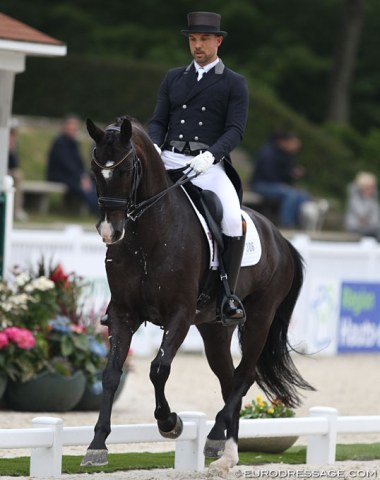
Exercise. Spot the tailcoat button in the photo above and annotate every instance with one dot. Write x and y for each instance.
(200, 123)
(184, 106)
(182, 121)
(196, 138)
(180, 135)
(203, 109)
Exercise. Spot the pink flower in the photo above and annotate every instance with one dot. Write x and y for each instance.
(3, 340)
(12, 333)
(77, 328)
(21, 337)
(25, 339)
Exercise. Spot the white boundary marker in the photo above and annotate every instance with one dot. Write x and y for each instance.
(48, 437)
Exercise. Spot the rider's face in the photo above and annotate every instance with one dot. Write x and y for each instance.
(204, 47)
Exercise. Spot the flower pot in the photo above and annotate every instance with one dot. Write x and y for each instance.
(46, 392)
(266, 444)
(92, 395)
(3, 384)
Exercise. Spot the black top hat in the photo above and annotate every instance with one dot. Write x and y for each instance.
(203, 22)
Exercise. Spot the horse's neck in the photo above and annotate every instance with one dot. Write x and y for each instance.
(155, 178)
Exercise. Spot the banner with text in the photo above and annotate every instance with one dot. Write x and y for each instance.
(359, 319)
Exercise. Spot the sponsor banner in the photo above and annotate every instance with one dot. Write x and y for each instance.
(323, 313)
(359, 319)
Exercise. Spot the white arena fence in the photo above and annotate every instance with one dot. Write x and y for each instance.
(318, 321)
(48, 436)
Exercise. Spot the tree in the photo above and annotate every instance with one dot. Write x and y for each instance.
(344, 62)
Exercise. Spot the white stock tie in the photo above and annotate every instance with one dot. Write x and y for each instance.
(201, 72)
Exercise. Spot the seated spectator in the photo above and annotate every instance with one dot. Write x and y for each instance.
(363, 210)
(65, 164)
(15, 172)
(274, 175)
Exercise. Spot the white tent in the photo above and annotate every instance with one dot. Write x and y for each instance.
(17, 40)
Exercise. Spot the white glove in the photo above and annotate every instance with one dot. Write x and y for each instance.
(202, 162)
(159, 151)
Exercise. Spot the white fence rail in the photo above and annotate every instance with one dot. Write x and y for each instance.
(48, 437)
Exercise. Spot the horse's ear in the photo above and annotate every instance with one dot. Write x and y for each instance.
(125, 131)
(95, 132)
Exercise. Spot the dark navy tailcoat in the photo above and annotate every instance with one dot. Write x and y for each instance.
(212, 111)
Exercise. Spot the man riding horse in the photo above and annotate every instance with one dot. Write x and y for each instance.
(199, 118)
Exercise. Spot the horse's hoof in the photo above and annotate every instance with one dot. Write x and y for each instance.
(174, 432)
(214, 448)
(95, 458)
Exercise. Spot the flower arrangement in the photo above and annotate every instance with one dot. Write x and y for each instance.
(43, 327)
(260, 408)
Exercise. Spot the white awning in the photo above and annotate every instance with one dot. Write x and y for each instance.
(31, 48)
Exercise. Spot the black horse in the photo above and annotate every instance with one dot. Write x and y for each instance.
(157, 258)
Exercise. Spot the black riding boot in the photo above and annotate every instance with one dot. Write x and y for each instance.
(232, 310)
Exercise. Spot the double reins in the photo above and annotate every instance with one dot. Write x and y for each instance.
(137, 210)
(134, 210)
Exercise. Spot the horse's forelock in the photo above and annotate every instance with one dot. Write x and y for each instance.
(110, 137)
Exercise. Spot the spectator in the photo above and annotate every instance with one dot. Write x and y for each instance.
(274, 175)
(363, 210)
(15, 172)
(65, 164)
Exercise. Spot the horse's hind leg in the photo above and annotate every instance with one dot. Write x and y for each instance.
(227, 420)
(217, 342)
(169, 423)
(120, 334)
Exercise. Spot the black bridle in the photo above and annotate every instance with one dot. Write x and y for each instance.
(112, 203)
(134, 210)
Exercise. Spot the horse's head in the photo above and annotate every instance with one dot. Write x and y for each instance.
(117, 172)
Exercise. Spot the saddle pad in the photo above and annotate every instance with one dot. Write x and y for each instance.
(252, 248)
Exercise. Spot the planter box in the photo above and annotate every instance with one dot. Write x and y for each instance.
(266, 444)
(46, 392)
(3, 384)
(92, 395)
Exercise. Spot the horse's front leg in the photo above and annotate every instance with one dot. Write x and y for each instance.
(169, 423)
(121, 330)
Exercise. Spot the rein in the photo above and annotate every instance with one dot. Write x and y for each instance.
(134, 210)
(140, 208)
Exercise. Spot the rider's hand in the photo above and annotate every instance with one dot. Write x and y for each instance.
(202, 162)
(157, 148)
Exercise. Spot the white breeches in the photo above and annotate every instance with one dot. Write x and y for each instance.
(216, 180)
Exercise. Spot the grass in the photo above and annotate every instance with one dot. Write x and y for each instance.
(33, 143)
(144, 461)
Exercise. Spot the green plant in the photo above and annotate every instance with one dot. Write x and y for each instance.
(260, 408)
(43, 327)
(74, 347)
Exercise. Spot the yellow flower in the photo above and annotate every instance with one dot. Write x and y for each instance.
(270, 411)
(259, 399)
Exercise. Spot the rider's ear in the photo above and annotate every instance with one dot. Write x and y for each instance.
(125, 131)
(95, 132)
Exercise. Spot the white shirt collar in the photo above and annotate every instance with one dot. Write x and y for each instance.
(207, 67)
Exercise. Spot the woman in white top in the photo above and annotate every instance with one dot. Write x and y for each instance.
(363, 210)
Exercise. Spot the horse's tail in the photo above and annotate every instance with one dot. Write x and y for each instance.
(276, 373)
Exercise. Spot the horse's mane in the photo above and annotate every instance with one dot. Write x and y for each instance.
(119, 120)
(138, 131)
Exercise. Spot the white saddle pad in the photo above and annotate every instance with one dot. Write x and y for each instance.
(252, 248)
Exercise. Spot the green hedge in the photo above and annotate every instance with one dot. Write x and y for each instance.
(89, 87)
(103, 89)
